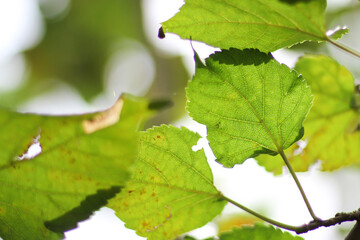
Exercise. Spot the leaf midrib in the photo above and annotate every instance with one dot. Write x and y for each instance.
(323, 38)
(295, 28)
(278, 149)
(181, 161)
(173, 187)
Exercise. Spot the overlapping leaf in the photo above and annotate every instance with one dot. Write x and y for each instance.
(250, 104)
(332, 127)
(171, 190)
(333, 123)
(263, 24)
(81, 156)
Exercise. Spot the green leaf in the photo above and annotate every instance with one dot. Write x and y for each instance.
(267, 25)
(81, 156)
(171, 189)
(258, 232)
(192, 238)
(338, 33)
(250, 104)
(332, 126)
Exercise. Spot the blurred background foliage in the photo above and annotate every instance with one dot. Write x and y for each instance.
(92, 46)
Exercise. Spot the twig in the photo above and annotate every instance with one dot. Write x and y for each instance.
(338, 219)
(258, 215)
(307, 203)
(344, 48)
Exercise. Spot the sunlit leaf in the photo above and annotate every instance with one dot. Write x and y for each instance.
(250, 104)
(80, 156)
(332, 126)
(171, 189)
(264, 24)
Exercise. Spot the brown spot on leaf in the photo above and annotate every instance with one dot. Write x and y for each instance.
(153, 194)
(104, 119)
(145, 224)
(158, 136)
(78, 177)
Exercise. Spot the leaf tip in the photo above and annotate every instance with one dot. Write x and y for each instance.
(198, 62)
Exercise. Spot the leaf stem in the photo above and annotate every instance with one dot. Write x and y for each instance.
(343, 47)
(292, 172)
(262, 217)
(312, 225)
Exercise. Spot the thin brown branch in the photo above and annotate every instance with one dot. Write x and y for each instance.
(338, 219)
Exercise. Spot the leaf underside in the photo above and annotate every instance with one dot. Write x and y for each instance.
(171, 189)
(72, 165)
(267, 25)
(250, 104)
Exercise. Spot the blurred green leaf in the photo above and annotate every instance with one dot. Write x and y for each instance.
(332, 126)
(250, 103)
(80, 156)
(266, 25)
(275, 164)
(170, 82)
(171, 188)
(258, 232)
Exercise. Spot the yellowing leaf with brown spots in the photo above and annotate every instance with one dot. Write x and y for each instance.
(73, 175)
(171, 190)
